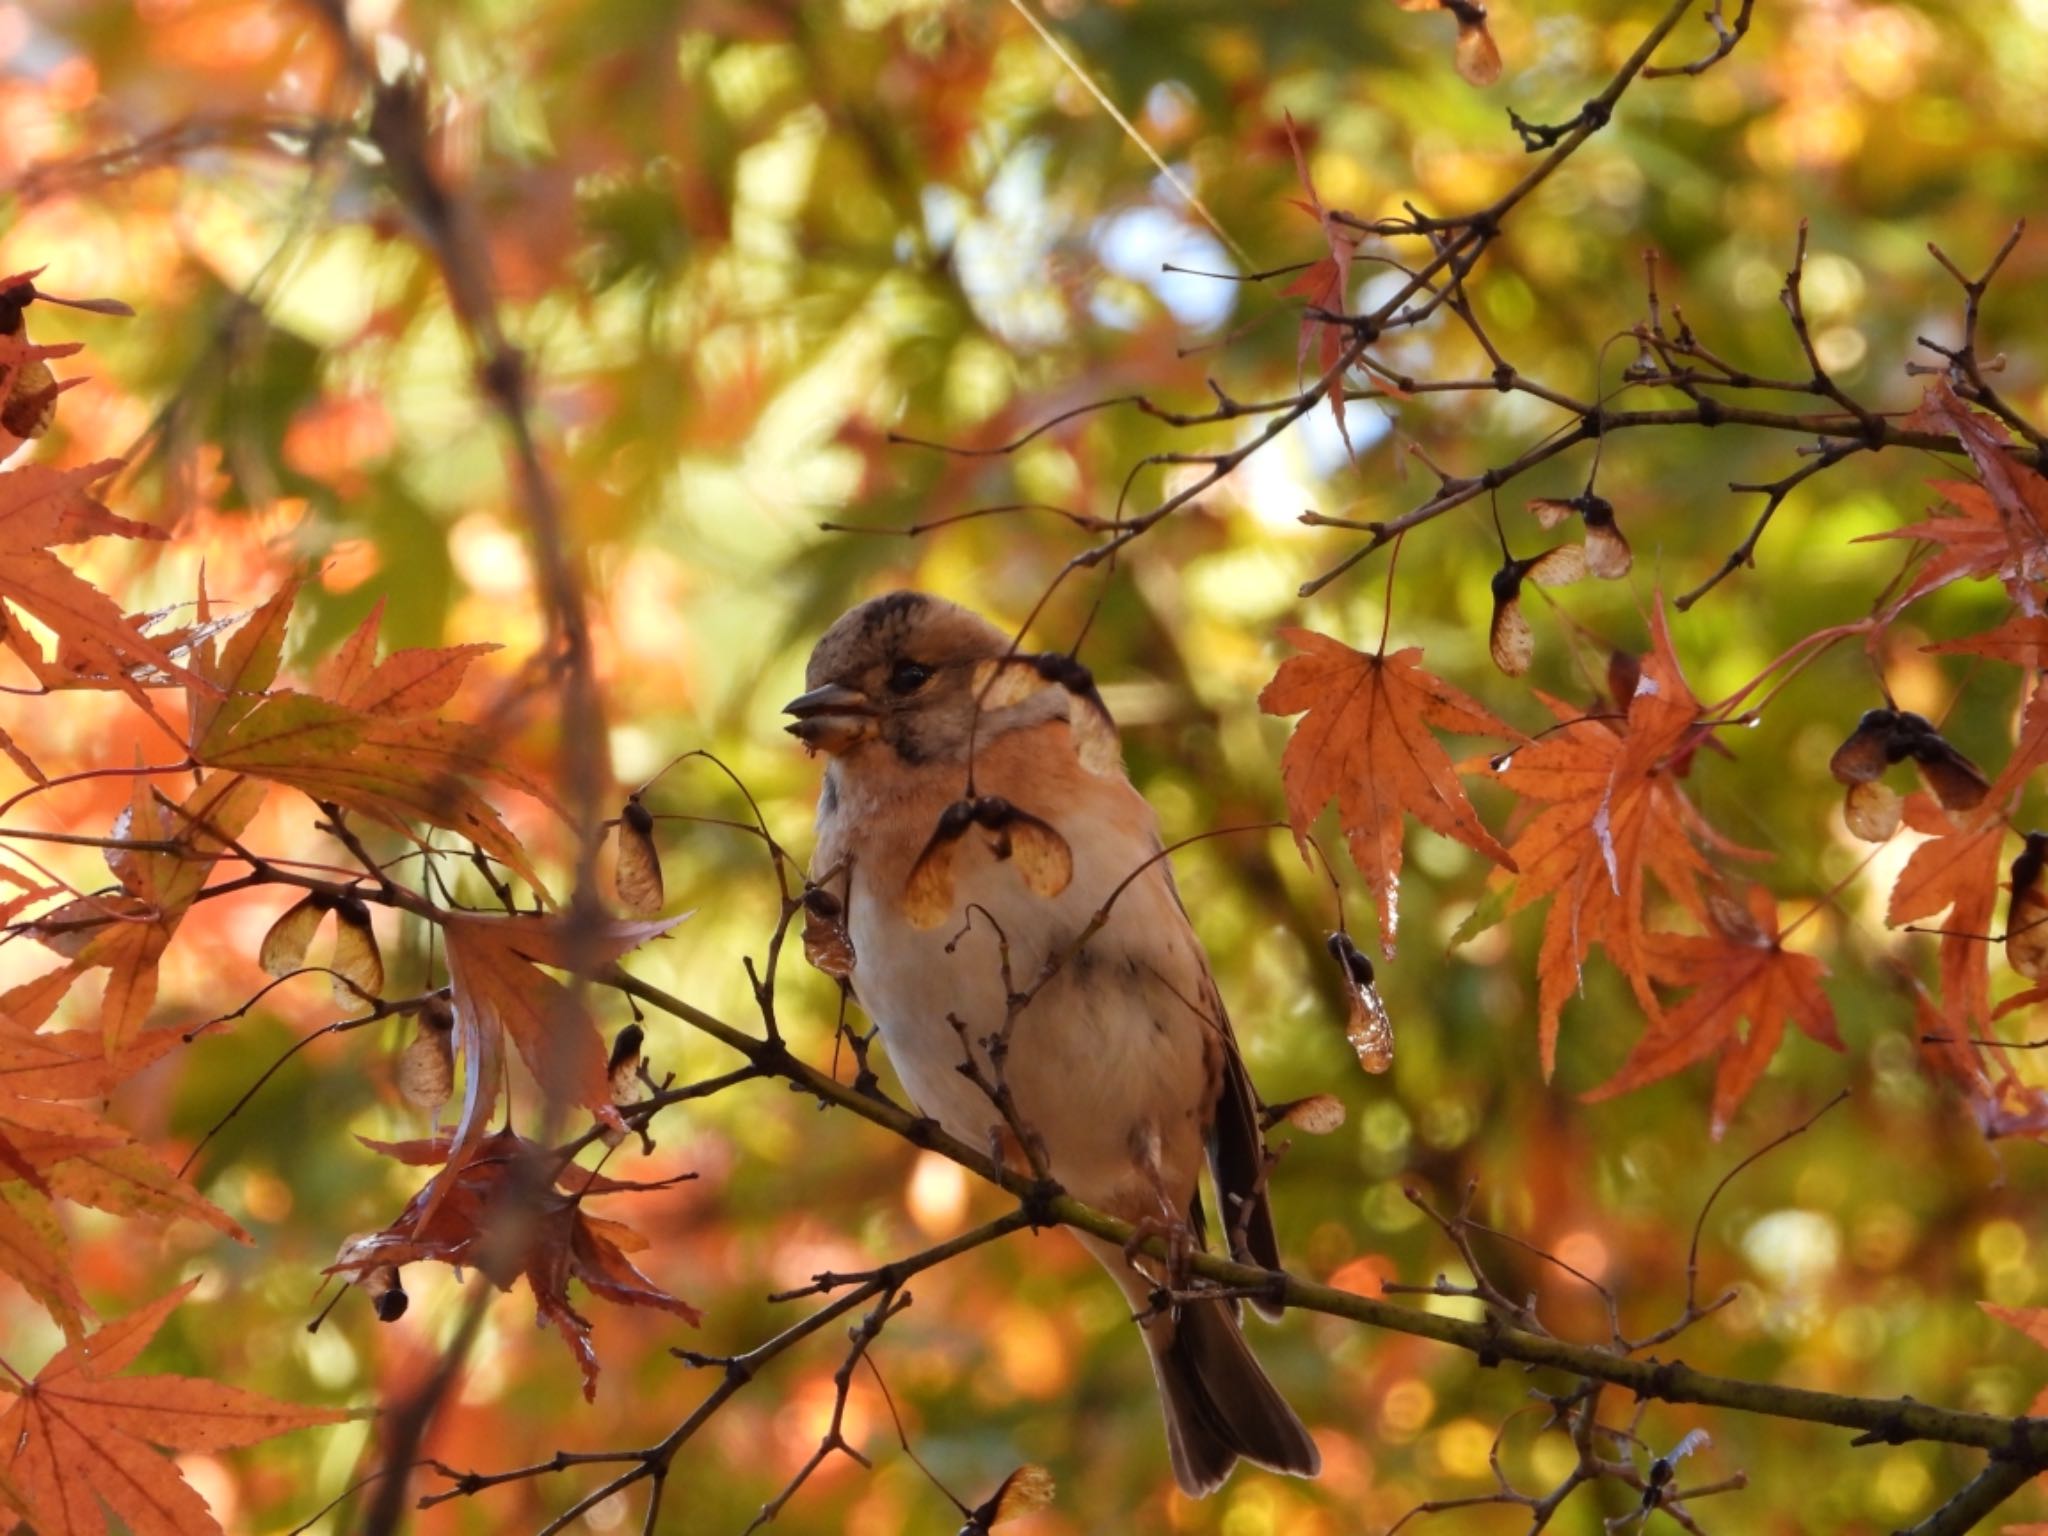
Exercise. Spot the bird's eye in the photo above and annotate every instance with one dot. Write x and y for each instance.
(907, 677)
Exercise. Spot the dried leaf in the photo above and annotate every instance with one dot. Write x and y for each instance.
(1365, 742)
(498, 990)
(928, 889)
(1015, 682)
(623, 1073)
(1955, 780)
(386, 1292)
(497, 1213)
(1325, 285)
(636, 872)
(1476, 55)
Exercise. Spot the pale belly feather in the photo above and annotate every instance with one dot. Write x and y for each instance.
(1113, 1057)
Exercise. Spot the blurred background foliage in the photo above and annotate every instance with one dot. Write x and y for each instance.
(742, 243)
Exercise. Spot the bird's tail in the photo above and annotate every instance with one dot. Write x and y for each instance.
(1218, 1401)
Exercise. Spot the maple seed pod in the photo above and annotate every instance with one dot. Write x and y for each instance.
(1367, 1027)
(624, 1067)
(623, 1073)
(2026, 919)
(356, 956)
(426, 1067)
(1319, 1114)
(636, 874)
(1025, 1491)
(1955, 780)
(1866, 754)
(285, 945)
(1608, 555)
(1872, 810)
(827, 944)
(386, 1292)
(32, 390)
(1510, 641)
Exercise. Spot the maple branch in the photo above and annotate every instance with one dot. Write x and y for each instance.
(1726, 37)
(2001, 1478)
(1963, 360)
(1892, 1420)
(738, 1370)
(834, 1439)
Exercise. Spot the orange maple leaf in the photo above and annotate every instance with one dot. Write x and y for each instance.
(1957, 871)
(1364, 741)
(40, 508)
(2002, 526)
(1739, 970)
(1475, 53)
(78, 1435)
(499, 991)
(502, 1211)
(1324, 285)
(366, 741)
(127, 933)
(1613, 815)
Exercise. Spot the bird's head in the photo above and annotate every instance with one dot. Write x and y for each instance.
(918, 675)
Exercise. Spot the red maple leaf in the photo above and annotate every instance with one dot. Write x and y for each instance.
(504, 1212)
(1613, 815)
(1738, 971)
(1364, 740)
(1325, 285)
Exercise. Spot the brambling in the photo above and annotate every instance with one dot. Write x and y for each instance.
(1004, 891)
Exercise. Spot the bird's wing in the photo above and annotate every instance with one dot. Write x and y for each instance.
(832, 861)
(1237, 1144)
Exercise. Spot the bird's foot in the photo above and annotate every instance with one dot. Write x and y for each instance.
(1175, 1237)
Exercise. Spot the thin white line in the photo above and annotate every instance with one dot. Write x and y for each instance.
(1080, 74)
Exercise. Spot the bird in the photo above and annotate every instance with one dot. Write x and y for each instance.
(1014, 929)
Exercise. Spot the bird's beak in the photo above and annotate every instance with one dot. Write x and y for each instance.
(831, 718)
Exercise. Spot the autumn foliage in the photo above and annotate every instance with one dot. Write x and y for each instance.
(401, 868)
